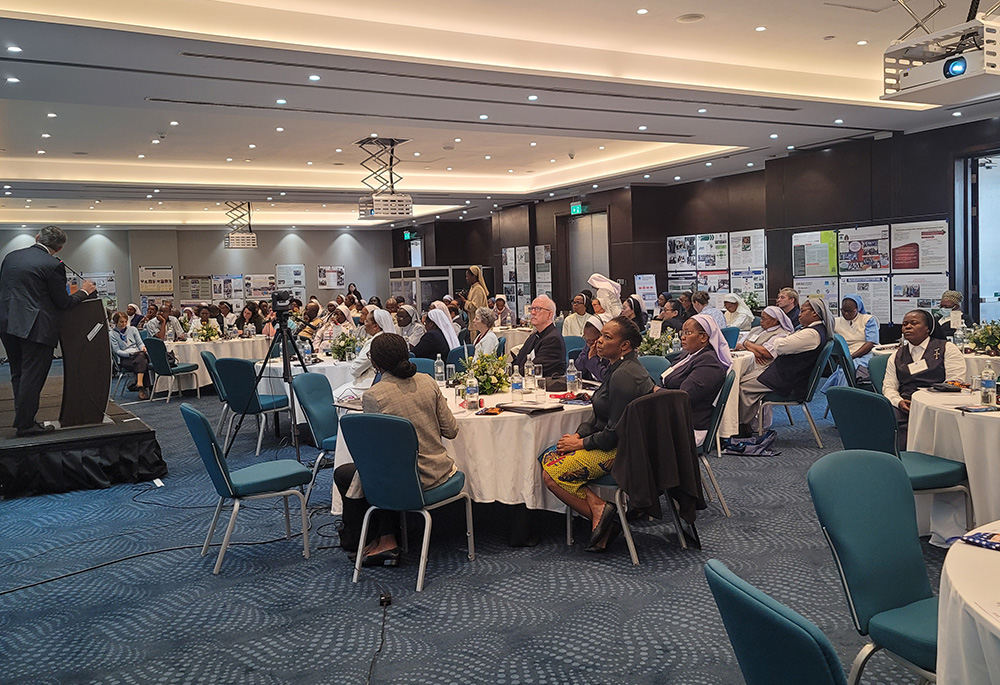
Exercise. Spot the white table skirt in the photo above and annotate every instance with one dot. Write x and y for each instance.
(939, 429)
(499, 454)
(271, 383)
(515, 336)
(189, 352)
(969, 615)
(743, 362)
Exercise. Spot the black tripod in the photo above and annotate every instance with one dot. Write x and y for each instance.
(287, 347)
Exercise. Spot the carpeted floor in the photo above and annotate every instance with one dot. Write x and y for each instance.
(70, 611)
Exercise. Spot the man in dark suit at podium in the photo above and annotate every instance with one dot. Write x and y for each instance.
(32, 295)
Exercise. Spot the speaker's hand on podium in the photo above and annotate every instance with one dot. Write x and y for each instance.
(88, 287)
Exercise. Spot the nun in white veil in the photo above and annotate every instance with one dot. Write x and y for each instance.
(413, 331)
(442, 320)
(376, 322)
(609, 294)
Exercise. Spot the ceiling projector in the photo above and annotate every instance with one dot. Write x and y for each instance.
(953, 66)
(381, 206)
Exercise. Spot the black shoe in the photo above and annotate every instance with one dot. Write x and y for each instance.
(604, 524)
(745, 431)
(37, 429)
(132, 387)
(600, 546)
(389, 557)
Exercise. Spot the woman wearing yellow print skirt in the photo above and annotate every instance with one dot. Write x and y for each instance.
(588, 454)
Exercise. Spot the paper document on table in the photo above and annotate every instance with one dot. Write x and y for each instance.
(530, 409)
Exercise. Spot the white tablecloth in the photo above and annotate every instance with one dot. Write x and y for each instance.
(939, 429)
(969, 615)
(189, 352)
(515, 336)
(499, 454)
(730, 426)
(271, 383)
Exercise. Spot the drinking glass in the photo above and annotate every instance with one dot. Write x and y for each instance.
(449, 371)
(540, 385)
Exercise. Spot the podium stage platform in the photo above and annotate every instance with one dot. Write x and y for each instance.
(122, 449)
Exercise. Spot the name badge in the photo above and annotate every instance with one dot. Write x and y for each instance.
(917, 367)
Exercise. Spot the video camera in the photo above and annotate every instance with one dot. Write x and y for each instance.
(281, 301)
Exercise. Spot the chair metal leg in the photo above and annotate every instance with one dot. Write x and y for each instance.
(468, 528)
(361, 546)
(288, 523)
(305, 524)
(197, 388)
(620, 505)
(319, 461)
(569, 527)
(424, 547)
(860, 661)
(677, 523)
(826, 412)
(152, 390)
(760, 419)
(718, 445)
(812, 424)
(222, 419)
(170, 387)
(229, 534)
(715, 486)
(789, 413)
(229, 430)
(211, 528)
(262, 419)
(404, 532)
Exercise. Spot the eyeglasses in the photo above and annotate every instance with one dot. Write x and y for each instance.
(535, 310)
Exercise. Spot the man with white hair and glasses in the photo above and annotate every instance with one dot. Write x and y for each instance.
(545, 346)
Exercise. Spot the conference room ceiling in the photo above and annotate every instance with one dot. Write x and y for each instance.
(499, 103)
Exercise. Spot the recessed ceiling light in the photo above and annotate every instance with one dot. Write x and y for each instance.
(159, 203)
(749, 163)
(27, 200)
(761, 28)
(774, 136)
(175, 123)
(702, 110)
(98, 226)
(281, 193)
(13, 48)
(642, 128)
(272, 204)
(552, 194)
(308, 163)
(449, 168)
(324, 205)
(416, 154)
(6, 187)
(510, 171)
(218, 204)
(155, 141)
(373, 135)
(532, 98)
(468, 202)
(46, 135)
(229, 159)
(251, 146)
(280, 129)
(956, 114)
(532, 143)
(458, 140)
(141, 156)
(488, 157)
(51, 115)
(339, 150)
(41, 152)
(149, 197)
(790, 147)
(838, 121)
(690, 18)
(594, 186)
(552, 161)
(156, 191)
(313, 77)
(708, 164)
(91, 206)
(11, 79)
(269, 199)
(281, 101)
(601, 147)
(862, 42)
(437, 216)
(642, 11)
(6, 192)
(677, 178)
(484, 117)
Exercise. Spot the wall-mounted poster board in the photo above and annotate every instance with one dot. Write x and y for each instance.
(258, 286)
(645, 289)
(522, 263)
(507, 265)
(196, 289)
(827, 288)
(916, 291)
(228, 288)
(863, 250)
(291, 277)
(874, 292)
(107, 289)
(543, 268)
(156, 279)
(749, 281)
(713, 252)
(747, 250)
(682, 282)
(920, 247)
(682, 253)
(814, 254)
(330, 277)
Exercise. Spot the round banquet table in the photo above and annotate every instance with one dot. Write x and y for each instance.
(937, 428)
(515, 336)
(271, 382)
(969, 615)
(189, 352)
(499, 454)
(974, 363)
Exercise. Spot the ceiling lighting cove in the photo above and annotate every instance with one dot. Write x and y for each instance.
(484, 117)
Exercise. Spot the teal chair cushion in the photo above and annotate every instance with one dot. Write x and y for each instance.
(329, 444)
(927, 471)
(449, 488)
(272, 402)
(269, 476)
(606, 480)
(183, 368)
(909, 631)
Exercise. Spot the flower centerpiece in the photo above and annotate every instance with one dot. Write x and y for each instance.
(986, 337)
(657, 347)
(340, 345)
(208, 333)
(490, 371)
(752, 301)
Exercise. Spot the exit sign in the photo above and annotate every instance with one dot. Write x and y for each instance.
(577, 208)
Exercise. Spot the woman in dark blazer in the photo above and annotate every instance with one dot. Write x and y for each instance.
(702, 371)
(434, 341)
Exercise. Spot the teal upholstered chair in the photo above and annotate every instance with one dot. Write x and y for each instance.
(867, 421)
(315, 396)
(572, 354)
(209, 360)
(841, 355)
(864, 503)
(240, 381)
(384, 449)
(278, 478)
(712, 438)
(573, 342)
(774, 645)
(814, 378)
(756, 322)
(501, 346)
(732, 335)
(157, 352)
(655, 366)
(143, 334)
(424, 365)
(876, 370)
(460, 353)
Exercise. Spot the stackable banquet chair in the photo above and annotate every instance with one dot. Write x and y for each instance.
(501, 346)
(864, 503)
(573, 342)
(239, 379)
(384, 449)
(157, 351)
(459, 353)
(713, 439)
(876, 370)
(654, 365)
(774, 645)
(278, 478)
(732, 335)
(841, 357)
(814, 378)
(315, 396)
(209, 360)
(424, 365)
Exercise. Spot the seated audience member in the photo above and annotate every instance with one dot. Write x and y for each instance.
(250, 315)
(545, 346)
(355, 294)
(216, 313)
(158, 326)
(439, 336)
(187, 318)
(134, 316)
(485, 340)
(491, 302)
(701, 371)
(229, 317)
(737, 312)
(331, 308)
(375, 300)
(661, 300)
(795, 356)
(951, 301)
(392, 307)
(478, 292)
(788, 301)
(670, 314)
(919, 363)
(504, 315)
(411, 329)
(599, 312)
(609, 294)
(590, 365)
(130, 351)
(774, 325)
(588, 454)
(414, 396)
(311, 322)
(339, 300)
(582, 309)
(457, 316)
(329, 331)
(701, 303)
(632, 309)
(860, 331)
(348, 323)
(151, 311)
(687, 306)
(205, 320)
(264, 309)
(351, 302)
(360, 331)
(376, 322)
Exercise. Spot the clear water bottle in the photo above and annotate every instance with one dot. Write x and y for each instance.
(529, 376)
(988, 385)
(959, 338)
(472, 393)
(676, 345)
(439, 370)
(572, 380)
(250, 330)
(516, 386)
(170, 333)
(307, 350)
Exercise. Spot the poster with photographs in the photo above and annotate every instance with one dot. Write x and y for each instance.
(682, 282)
(523, 300)
(713, 281)
(873, 291)
(920, 246)
(522, 263)
(749, 281)
(107, 289)
(507, 265)
(863, 250)
(258, 286)
(228, 288)
(713, 251)
(510, 293)
(827, 288)
(543, 268)
(814, 254)
(196, 288)
(747, 250)
(916, 291)
(682, 253)
(156, 279)
(330, 277)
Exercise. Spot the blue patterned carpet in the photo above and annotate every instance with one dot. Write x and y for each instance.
(541, 615)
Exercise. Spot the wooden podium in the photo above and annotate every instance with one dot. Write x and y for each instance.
(86, 350)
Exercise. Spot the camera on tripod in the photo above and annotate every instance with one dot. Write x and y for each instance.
(281, 301)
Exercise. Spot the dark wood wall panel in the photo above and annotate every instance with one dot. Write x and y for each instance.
(463, 242)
